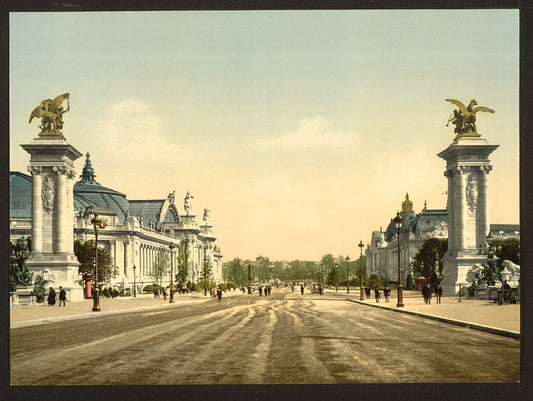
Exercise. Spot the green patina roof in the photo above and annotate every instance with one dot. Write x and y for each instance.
(87, 192)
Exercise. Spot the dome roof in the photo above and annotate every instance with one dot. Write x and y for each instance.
(20, 189)
(88, 192)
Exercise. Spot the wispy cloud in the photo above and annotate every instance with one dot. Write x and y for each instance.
(317, 132)
(131, 127)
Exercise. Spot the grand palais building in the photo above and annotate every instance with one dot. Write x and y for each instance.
(136, 232)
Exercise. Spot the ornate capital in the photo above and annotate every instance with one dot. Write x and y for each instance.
(35, 170)
(485, 169)
(464, 169)
(60, 170)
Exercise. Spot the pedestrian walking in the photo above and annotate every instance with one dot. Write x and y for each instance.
(426, 293)
(376, 294)
(164, 294)
(219, 295)
(269, 289)
(367, 292)
(320, 289)
(438, 293)
(261, 291)
(62, 296)
(386, 293)
(51, 297)
(302, 289)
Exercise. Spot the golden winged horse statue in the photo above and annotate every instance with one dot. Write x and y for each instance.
(464, 119)
(51, 114)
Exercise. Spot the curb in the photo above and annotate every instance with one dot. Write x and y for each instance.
(469, 325)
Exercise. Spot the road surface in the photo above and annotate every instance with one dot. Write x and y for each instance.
(283, 338)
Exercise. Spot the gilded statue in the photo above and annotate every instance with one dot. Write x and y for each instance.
(464, 119)
(51, 114)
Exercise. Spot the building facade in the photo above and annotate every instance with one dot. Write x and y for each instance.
(382, 250)
(137, 231)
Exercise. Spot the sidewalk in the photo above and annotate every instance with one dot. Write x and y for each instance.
(477, 314)
(21, 316)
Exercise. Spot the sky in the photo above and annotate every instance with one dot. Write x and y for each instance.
(301, 131)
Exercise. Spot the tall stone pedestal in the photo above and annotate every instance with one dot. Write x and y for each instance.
(52, 240)
(467, 171)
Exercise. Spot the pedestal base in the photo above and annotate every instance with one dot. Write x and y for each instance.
(25, 297)
(58, 270)
(458, 272)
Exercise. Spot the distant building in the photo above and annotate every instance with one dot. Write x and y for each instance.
(137, 230)
(382, 251)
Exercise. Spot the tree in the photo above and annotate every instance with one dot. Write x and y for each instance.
(183, 262)
(160, 267)
(207, 274)
(507, 249)
(427, 257)
(85, 252)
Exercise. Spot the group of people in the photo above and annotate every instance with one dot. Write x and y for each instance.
(377, 293)
(163, 291)
(266, 289)
(427, 293)
(216, 293)
(52, 297)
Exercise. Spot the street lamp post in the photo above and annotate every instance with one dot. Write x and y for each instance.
(134, 283)
(249, 279)
(336, 276)
(361, 290)
(347, 274)
(97, 223)
(398, 221)
(171, 247)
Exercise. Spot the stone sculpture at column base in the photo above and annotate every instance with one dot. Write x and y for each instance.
(456, 272)
(58, 270)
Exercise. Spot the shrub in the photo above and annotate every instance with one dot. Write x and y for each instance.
(105, 292)
(151, 288)
(39, 290)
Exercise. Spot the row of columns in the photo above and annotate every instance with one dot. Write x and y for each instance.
(148, 255)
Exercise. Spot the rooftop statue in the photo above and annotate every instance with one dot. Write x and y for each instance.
(51, 114)
(187, 202)
(464, 119)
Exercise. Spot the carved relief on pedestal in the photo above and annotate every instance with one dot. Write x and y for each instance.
(471, 192)
(47, 193)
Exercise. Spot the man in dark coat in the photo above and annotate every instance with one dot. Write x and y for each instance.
(51, 297)
(62, 296)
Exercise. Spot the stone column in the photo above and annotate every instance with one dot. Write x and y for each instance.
(450, 208)
(61, 217)
(37, 210)
(483, 209)
(71, 175)
(126, 258)
(51, 162)
(460, 210)
(467, 209)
